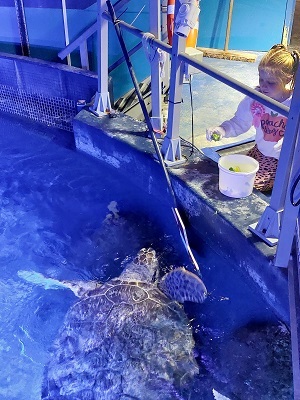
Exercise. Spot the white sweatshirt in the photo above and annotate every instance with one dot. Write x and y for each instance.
(269, 125)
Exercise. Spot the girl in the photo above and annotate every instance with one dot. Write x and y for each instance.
(277, 71)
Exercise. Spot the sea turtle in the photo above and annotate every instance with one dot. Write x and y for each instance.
(128, 338)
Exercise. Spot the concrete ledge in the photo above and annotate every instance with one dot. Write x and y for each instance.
(214, 219)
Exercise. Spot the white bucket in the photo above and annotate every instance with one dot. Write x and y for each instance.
(237, 183)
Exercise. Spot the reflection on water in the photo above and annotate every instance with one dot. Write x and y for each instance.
(53, 221)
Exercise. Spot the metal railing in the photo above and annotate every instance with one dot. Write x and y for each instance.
(80, 42)
(294, 299)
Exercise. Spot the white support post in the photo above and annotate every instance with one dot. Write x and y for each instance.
(171, 146)
(290, 212)
(155, 24)
(164, 38)
(184, 21)
(101, 103)
(66, 27)
(269, 226)
(84, 55)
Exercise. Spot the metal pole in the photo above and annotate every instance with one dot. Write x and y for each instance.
(175, 210)
(155, 24)
(101, 103)
(269, 226)
(171, 147)
(211, 71)
(66, 28)
(24, 41)
(294, 299)
(228, 28)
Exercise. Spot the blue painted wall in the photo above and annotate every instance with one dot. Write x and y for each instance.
(256, 24)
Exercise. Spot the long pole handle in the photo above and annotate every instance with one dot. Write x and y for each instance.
(228, 28)
(154, 140)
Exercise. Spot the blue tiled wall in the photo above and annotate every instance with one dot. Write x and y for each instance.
(43, 91)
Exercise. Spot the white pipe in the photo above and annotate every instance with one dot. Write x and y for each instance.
(66, 29)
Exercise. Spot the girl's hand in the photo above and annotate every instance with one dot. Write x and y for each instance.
(215, 134)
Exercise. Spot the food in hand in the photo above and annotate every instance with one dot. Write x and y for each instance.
(215, 136)
(235, 169)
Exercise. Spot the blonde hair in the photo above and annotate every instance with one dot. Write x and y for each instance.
(281, 63)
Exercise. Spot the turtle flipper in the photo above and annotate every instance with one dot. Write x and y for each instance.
(182, 285)
(40, 280)
(78, 288)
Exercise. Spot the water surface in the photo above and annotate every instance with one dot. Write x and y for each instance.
(56, 206)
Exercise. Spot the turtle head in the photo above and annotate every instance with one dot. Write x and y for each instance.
(144, 266)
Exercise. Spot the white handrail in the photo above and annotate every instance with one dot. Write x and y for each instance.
(78, 41)
(213, 72)
(66, 28)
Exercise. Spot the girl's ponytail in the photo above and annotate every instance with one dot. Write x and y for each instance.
(282, 63)
(295, 55)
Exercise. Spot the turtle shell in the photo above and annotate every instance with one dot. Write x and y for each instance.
(122, 340)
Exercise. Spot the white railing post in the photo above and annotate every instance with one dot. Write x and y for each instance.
(171, 147)
(101, 103)
(84, 55)
(288, 177)
(155, 29)
(294, 300)
(269, 225)
(80, 42)
(66, 27)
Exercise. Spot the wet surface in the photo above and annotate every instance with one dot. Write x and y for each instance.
(55, 220)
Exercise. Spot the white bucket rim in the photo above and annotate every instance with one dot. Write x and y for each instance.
(244, 156)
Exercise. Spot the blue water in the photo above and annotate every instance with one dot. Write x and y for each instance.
(54, 208)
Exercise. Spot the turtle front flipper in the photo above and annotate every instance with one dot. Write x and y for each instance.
(78, 287)
(182, 285)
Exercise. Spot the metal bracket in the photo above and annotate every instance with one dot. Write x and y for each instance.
(171, 150)
(101, 104)
(268, 227)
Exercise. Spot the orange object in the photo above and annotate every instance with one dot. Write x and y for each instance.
(191, 40)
